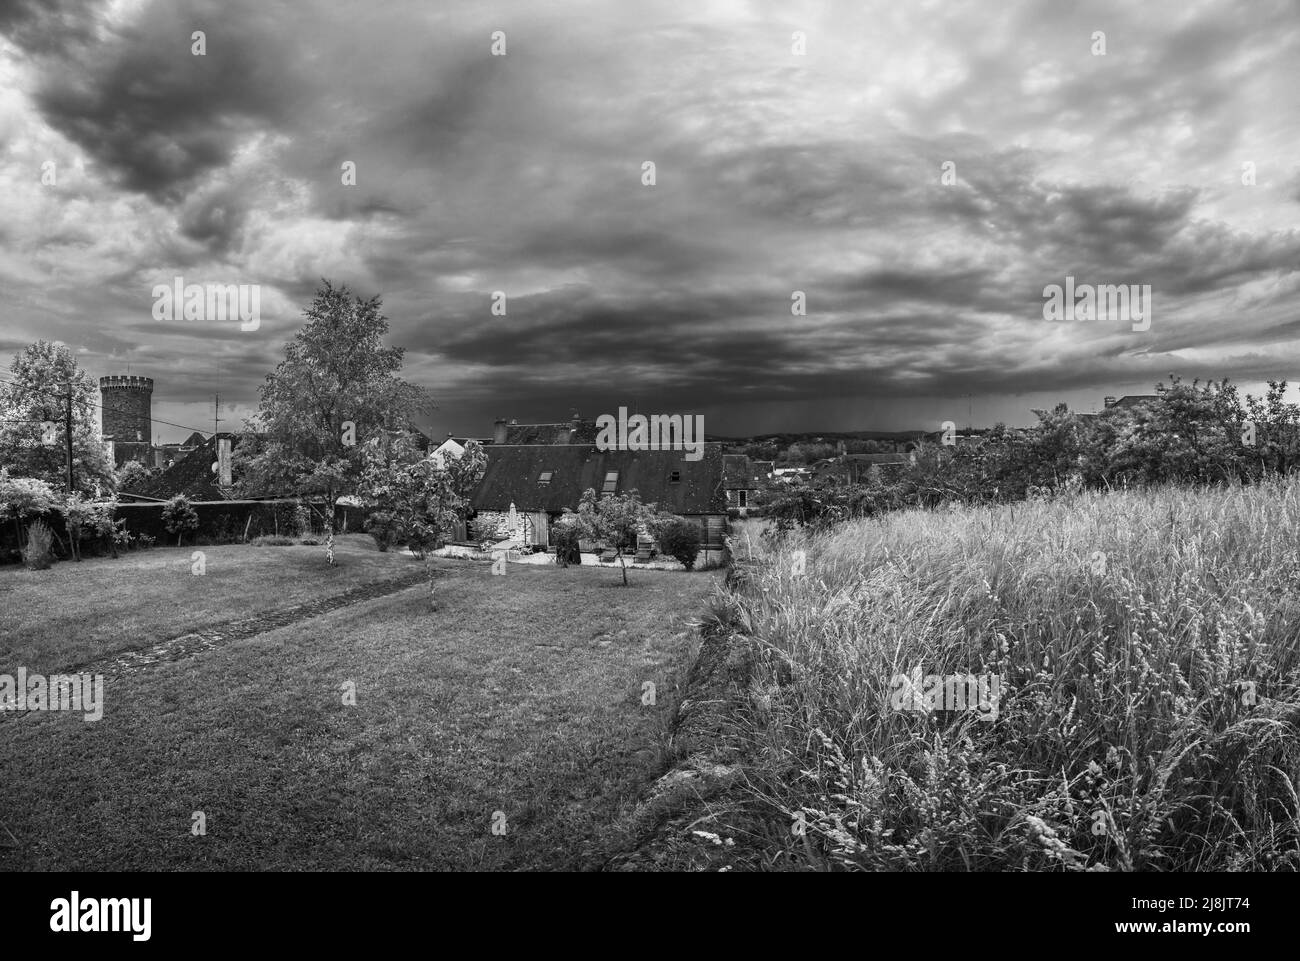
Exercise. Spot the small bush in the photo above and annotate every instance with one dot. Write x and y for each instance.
(142, 541)
(310, 541)
(37, 555)
(178, 517)
(680, 539)
(565, 537)
(272, 540)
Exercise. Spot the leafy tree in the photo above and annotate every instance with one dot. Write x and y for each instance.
(1277, 431)
(133, 476)
(420, 498)
(33, 409)
(336, 370)
(23, 497)
(179, 517)
(1189, 433)
(616, 519)
(91, 519)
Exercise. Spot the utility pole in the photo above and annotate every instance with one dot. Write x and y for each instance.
(216, 409)
(68, 425)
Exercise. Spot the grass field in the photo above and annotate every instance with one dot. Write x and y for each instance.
(74, 613)
(1146, 645)
(522, 694)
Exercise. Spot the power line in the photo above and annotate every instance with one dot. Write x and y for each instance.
(111, 410)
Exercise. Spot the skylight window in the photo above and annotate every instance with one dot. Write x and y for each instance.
(611, 482)
(544, 477)
(675, 477)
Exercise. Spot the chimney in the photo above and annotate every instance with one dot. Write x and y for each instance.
(1110, 401)
(499, 431)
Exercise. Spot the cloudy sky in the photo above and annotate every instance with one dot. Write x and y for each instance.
(775, 172)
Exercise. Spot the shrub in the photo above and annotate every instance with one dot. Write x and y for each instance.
(272, 540)
(178, 517)
(565, 536)
(140, 541)
(310, 541)
(680, 539)
(37, 555)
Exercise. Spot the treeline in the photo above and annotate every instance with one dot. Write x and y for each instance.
(1189, 433)
(804, 452)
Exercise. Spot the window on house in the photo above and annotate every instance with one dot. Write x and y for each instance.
(611, 482)
(675, 477)
(743, 495)
(544, 477)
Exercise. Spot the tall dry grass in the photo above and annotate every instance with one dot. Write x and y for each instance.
(1128, 735)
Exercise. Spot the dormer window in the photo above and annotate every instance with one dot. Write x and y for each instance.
(675, 477)
(611, 482)
(544, 477)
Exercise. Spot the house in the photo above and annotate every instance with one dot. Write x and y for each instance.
(860, 468)
(743, 478)
(788, 475)
(1127, 402)
(454, 447)
(192, 475)
(1131, 400)
(527, 486)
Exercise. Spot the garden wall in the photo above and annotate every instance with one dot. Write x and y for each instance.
(218, 521)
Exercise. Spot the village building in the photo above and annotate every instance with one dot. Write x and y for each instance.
(743, 479)
(537, 472)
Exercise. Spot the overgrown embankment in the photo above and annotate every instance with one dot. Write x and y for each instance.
(1131, 665)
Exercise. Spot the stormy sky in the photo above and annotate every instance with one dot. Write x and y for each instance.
(1172, 159)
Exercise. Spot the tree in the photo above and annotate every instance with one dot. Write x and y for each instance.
(33, 418)
(86, 518)
(336, 372)
(419, 498)
(678, 538)
(1277, 431)
(134, 476)
(23, 497)
(614, 518)
(178, 517)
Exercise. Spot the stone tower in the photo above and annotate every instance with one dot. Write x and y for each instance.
(127, 415)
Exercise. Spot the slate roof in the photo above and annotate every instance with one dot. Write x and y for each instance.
(513, 470)
(191, 475)
(1135, 400)
(569, 432)
(741, 473)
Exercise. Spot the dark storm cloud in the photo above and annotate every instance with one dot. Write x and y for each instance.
(775, 174)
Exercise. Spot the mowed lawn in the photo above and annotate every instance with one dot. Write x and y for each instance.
(522, 695)
(75, 613)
